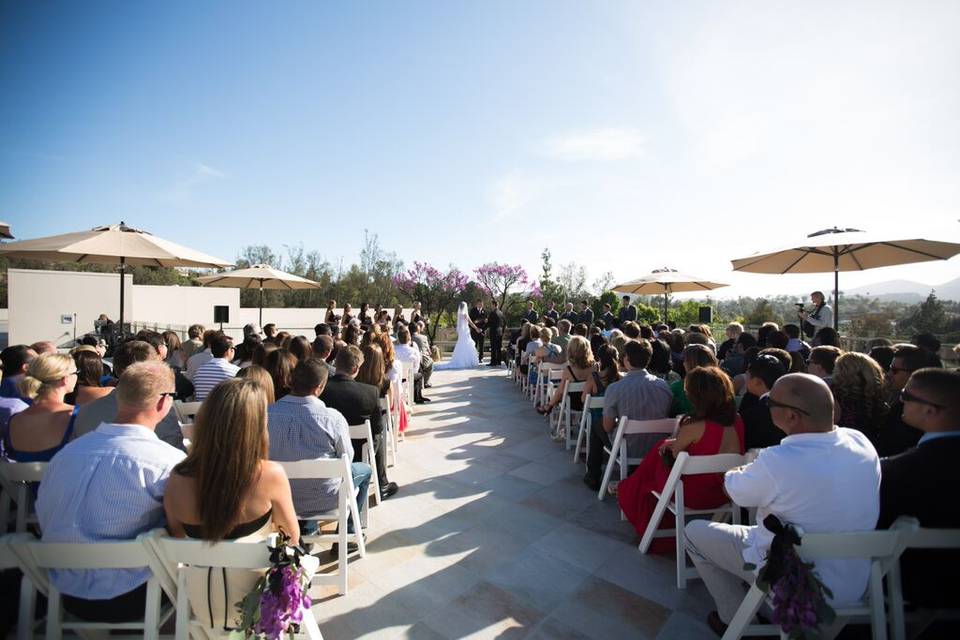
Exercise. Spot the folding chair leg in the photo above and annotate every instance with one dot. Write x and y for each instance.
(28, 609)
(580, 434)
(606, 476)
(54, 614)
(748, 607)
(151, 616)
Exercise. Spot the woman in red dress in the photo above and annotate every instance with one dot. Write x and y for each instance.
(714, 427)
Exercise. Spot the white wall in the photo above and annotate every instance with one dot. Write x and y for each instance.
(37, 299)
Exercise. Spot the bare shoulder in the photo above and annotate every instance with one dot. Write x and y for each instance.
(272, 472)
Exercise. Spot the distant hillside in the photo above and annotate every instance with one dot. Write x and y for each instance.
(907, 291)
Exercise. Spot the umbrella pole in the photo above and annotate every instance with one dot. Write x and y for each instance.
(836, 290)
(122, 272)
(261, 305)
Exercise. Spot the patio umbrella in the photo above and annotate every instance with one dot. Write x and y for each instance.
(259, 276)
(5, 231)
(666, 281)
(115, 244)
(839, 250)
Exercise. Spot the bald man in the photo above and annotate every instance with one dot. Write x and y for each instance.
(824, 478)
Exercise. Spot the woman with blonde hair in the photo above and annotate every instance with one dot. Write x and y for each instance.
(262, 377)
(228, 489)
(37, 433)
(580, 364)
(857, 385)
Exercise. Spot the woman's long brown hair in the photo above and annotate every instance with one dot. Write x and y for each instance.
(228, 446)
(710, 391)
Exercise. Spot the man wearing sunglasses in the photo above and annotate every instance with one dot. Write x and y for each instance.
(916, 483)
(823, 478)
(897, 435)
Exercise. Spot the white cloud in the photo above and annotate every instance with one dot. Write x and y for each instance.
(598, 144)
(515, 191)
(202, 174)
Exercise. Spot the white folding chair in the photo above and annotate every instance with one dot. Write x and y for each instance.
(546, 372)
(367, 454)
(37, 558)
(881, 548)
(174, 558)
(406, 385)
(586, 424)
(10, 560)
(326, 468)
(15, 479)
(391, 430)
(186, 411)
(565, 413)
(671, 499)
(618, 450)
(917, 538)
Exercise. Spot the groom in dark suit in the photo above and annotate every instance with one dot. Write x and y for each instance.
(495, 323)
(479, 317)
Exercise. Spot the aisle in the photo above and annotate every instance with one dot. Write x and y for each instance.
(493, 535)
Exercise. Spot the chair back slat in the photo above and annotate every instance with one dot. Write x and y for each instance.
(665, 425)
(186, 411)
(862, 544)
(717, 463)
(88, 555)
(200, 553)
(316, 468)
(593, 402)
(17, 472)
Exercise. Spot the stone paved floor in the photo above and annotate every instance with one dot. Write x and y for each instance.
(493, 535)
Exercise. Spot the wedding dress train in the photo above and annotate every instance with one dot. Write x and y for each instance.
(465, 352)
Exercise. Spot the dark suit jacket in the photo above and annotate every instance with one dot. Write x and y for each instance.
(920, 482)
(758, 428)
(495, 321)
(355, 400)
(479, 318)
(531, 316)
(586, 317)
(895, 436)
(552, 313)
(628, 313)
(608, 320)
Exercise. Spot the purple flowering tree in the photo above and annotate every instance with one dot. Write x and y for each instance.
(498, 279)
(435, 290)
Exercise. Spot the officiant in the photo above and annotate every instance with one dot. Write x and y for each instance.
(479, 317)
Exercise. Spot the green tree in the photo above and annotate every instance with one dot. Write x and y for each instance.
(927, 317)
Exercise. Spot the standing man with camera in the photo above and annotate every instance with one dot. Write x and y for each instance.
(821, 315)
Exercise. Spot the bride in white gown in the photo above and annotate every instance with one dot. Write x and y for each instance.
(465, 352)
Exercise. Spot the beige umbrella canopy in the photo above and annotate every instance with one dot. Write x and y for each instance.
(115, 244)
(839, 250)
(5, 231)
(259, 276)
(666, 281)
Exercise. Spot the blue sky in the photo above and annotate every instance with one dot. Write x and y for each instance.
(625, 136)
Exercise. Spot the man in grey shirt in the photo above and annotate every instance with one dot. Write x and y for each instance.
(105, 409)
(639, 395)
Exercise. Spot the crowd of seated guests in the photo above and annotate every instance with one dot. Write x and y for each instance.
(885, 426)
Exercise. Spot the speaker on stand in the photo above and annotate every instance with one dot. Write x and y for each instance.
(706, 315)
(221, 314)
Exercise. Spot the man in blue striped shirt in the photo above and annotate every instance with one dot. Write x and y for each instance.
(217, 369)
(108, 486)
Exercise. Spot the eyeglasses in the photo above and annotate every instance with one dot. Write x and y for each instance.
(906, 396)
(769, 402)
(896, 370)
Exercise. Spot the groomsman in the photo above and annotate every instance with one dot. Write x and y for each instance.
(608, 318)
(570, 314)
(586, 313)
(479, 318)
(495, 324)
(531, 314)
(552, 312)
(628, 312)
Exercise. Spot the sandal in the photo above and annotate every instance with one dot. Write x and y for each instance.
(544, 410)
(612, 487)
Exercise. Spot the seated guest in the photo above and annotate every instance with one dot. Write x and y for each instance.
(630, 329)
(280, 365)
(550, 351)
(931, 344)
(883, 356)
(639, 395)
(407, 352)
(530, 352)
(913, 484)
(423, 343)
(43, 429)
(797, 481)
(89, 368)
(282, 339)
(243, 355)
(262, 377)
(183, 385)
(372, 371)
(778, 340)
(201, 357)
(735, 362)
(661, 363)
(217, 369)
(764, 331)
(826, 337)
(44, 346)
(105, 409)
(608, 372)
(302, 427)
(758, 426)
(301, 348)
(857, 385)
(580, 364)
(261, 352)
(174, 355)
(694, 355)
(352, 334)
(108, 486)
(322, 347)
(822, 361)
(795, 344)
(270, 334)
(561, 337)
(358, 402)
(15, 361)
(596, 338)
(193, 344)
(395, 376)
(711, 426)
(896, 435)
(732, 332)
(228, 489)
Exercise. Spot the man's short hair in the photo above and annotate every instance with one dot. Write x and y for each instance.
(627, 298)
(142, 383)
(208, 336)
(348, 358)
(767, 367)
(564, 326)
(630, 329)
(270, 329)
(14, 357)
(735, 328)
(195, 332)
(308, 375)
(322, 329)
(131, 352)
(825, 356)
(939, 386)
(323, 346)
(403, 335)
(792, 331)
(927, 342)
(746, 340)
(152, 338)
(638, 353)
(220, 344)
(913, 357)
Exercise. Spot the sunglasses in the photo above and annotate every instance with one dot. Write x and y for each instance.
(906, 396)
(769, 402)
